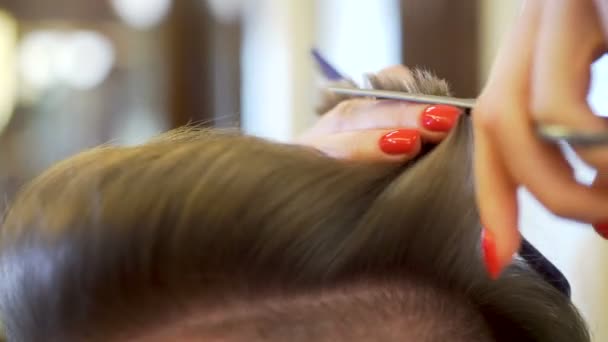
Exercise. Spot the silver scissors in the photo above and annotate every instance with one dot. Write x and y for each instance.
(551, 133)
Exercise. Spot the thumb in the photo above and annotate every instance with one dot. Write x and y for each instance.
(497, 203)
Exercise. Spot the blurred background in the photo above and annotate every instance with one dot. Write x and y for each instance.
(78, 73)
(75, 73)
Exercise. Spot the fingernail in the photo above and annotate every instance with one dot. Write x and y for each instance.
(403, 141)
(602, 229)
(440, 118)
(490, 255)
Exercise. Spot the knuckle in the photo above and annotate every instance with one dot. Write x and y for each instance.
(543, 111)
(487, 115)
(347, 108)
(560, 207)
(557, 207)
(355, 152)
(330, 150)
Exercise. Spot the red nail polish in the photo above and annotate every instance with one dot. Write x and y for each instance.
(403, 141)
(489, 254)
(602, 229)
(440, 118)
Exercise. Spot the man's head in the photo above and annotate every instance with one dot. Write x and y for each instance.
(203, 235)
(404, 311)
(218, 237)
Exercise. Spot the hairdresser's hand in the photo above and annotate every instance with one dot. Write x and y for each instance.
(541, 76)
(379, 130)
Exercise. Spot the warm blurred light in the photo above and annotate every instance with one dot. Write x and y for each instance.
(36, 58)
(8, 41)
(80, 59)
(142, 14)
(360, 48)
(86, 59)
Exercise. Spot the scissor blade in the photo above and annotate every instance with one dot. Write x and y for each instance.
(548, 133)
(396, 95)
(560, 133)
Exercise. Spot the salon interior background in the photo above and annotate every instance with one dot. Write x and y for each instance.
(77, 73)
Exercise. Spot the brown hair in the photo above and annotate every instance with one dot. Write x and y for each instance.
(263, 242)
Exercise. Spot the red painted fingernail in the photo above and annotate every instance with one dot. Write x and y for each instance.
(440, 118)
(490, 256)
(602, 229)
(403, 141)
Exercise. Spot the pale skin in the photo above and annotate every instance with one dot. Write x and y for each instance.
(353, 128)
(541, 76)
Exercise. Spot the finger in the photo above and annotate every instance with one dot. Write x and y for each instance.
(543, 170)
(539, 166)
(371, 145)
(601, 182)
(496, 186)
(497, 203)
(602, 10)
(569, 41)
(433, 122)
